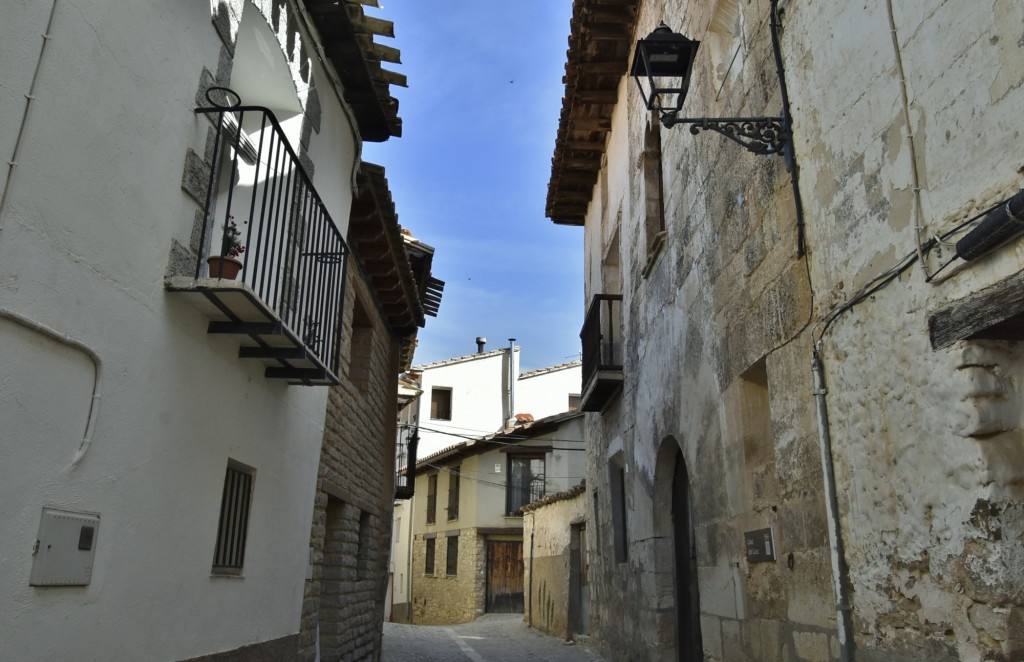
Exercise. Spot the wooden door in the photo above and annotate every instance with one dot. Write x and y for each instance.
(504, 577)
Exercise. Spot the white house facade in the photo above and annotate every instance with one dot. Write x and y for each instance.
(469, 396)
(159, 447)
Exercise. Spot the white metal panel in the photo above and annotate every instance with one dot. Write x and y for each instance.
(65, 548)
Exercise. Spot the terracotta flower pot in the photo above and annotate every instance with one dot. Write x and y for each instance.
(223, 267)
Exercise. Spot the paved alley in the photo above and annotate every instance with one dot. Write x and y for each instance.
(490, 638)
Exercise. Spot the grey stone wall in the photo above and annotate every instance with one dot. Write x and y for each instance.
(715, 327)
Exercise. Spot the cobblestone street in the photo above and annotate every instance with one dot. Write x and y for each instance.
(490, 638)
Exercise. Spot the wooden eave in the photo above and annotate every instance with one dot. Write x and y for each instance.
(376, 240)
(347, 36)
(600, 45)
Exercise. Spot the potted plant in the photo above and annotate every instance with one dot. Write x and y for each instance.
(227, 265)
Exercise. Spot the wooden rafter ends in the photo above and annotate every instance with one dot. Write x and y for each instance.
(600, 45)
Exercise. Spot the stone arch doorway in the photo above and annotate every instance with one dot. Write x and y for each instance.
(676, 557)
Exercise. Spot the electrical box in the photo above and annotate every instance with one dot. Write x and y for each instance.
(65, 548)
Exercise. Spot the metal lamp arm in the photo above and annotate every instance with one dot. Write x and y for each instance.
(760, 135)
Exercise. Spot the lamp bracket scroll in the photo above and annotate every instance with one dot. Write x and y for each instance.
(760, 135)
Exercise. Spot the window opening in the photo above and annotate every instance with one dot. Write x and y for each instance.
(441, 404)
(525, 482)
(361, 352)
(236, 499)
(453, 493)
(431, 498)
(428, 567)
(452, 558)
(617, 478)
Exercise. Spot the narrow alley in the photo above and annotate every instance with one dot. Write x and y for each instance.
(490, 638)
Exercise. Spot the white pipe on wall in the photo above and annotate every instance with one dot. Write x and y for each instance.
(63, 338)
(29, 98)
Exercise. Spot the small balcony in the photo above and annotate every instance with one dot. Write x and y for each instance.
(284, 305)
(602, 351)
(405, 462)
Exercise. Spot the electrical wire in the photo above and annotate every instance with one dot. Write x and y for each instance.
(491, 483)
(515, 438)
(889, 275)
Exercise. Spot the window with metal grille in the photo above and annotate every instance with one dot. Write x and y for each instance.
(451, 561)
(525, 482)
(229, 554)
(431, 499)
(453, 493)
(428, 567)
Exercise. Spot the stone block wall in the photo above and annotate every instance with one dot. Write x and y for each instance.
(351, 528)
(442, 599)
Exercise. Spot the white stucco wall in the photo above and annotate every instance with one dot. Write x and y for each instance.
(92, 212)
(480, 396)
(545, 393)
(479, 390)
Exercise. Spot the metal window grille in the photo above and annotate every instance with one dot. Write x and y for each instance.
(525, 482)
(452, 559)
(453, 493)
(229, 553)
(431, 499)
(428, 568)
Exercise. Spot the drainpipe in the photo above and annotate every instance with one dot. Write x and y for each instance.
(529, 606)
(840, 575)
(408, 558)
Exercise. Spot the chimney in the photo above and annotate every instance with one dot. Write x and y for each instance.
(480, 342)
(510, 422)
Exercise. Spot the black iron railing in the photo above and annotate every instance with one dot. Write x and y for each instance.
(293, 255)
(602, 336)
(405, 462)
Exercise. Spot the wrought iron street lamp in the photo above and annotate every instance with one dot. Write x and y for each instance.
(662, 67)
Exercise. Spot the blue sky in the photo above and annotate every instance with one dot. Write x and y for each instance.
(469, 175)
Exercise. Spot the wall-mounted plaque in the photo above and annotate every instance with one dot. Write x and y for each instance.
(760, 545)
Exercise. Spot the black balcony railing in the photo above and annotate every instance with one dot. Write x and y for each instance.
(602, 351)
(294, 255)
(405, 462)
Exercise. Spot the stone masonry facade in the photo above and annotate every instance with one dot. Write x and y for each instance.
(351, 530)
(442, 599)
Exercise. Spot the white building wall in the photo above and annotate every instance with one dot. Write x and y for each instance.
(546, 392)
(91, 214)
(479, 386)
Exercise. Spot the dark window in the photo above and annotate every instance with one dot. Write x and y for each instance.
(452, 560)
(229, 554)
(453, 493)
(617, 477)
(428, 567)
(361, 352)
(525, 482)
(654, 213)
(431, 499)
(575, 399)
(363, 555)
(441, 404)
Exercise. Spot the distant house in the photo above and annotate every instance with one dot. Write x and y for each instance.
(464, 526)
(471, 396)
